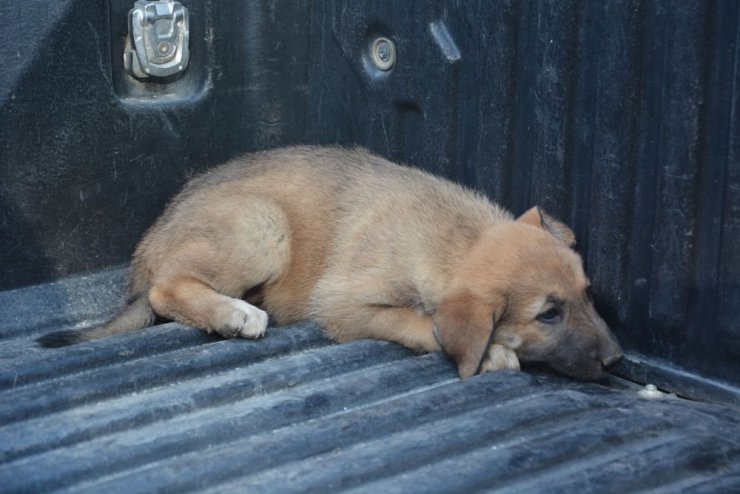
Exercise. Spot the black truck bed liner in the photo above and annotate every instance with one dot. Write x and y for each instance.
(621, 118)
(172, 409)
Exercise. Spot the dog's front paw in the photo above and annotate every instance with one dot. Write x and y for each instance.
(498, 358)
(245, 320)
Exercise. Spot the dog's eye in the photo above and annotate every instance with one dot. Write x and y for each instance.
(550, 316)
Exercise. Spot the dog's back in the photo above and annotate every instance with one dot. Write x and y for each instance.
(362, 210)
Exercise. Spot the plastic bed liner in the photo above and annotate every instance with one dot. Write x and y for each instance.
(620, 118)
(172, 409)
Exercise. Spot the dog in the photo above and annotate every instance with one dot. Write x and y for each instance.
(368, 249)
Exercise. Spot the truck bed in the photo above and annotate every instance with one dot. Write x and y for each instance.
(172, 409)
(620, 118)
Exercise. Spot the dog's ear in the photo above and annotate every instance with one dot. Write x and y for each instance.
(463, 326)
(537, 217)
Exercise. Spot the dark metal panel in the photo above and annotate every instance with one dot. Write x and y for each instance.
(678, 80)
(727, 137)
(89, 161)
(607, 103)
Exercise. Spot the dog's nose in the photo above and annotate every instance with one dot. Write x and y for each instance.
(611, 359)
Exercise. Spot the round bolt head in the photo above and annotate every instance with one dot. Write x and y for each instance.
(383, 53)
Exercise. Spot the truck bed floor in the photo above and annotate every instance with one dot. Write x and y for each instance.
(172, 409)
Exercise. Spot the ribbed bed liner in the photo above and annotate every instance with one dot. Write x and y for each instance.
(171, 409)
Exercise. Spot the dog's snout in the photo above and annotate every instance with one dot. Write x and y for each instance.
(611, 351)
(612, 359)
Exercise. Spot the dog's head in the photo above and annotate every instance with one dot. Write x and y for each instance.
(523, 287)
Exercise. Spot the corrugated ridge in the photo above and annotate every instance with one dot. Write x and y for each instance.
(171, 408)
(418, 445)
(488, 468)
(726, 479)
(570, 459)
(204, 428)
(295, 412)
(136, 375)
(527, 439)
(32, 364)
(658, 460)
(186, 396)
(384, 417)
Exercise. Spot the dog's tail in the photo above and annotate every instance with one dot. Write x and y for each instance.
(136, 315)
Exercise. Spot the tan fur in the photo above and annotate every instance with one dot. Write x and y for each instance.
(370, 249)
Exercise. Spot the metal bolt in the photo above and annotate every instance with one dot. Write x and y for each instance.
(383, 53)
(164, 47)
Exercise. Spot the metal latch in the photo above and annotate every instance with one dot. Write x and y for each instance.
(157, 41)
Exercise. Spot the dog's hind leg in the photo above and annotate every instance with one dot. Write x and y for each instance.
(192, 302)
(202, 277)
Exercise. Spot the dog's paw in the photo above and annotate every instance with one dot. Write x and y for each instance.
(499, 358)
(245, 320)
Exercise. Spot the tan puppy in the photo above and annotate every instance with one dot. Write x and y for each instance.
(368, 249)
